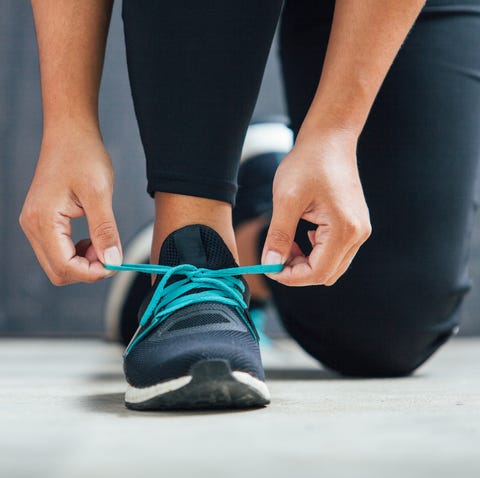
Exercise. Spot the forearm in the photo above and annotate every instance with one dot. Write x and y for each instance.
(365, 38)
(71, 38)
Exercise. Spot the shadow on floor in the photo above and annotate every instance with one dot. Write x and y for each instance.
(113, 403)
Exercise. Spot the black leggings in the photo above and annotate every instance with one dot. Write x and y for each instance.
(195, 70)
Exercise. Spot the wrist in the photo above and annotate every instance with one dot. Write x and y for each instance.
(311, 133)
(62, 128)
(332, 121)
(341, 108)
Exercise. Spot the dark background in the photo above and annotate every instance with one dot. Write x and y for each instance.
(29, 304)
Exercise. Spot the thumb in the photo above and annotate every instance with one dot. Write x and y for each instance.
(281, 233)
(103, 231)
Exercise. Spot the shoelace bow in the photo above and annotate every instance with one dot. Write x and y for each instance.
(219, 285)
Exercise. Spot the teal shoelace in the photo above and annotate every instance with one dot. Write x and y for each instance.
(222, 286)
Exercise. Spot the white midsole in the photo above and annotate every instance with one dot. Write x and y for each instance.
(255, 383)
(139, 395)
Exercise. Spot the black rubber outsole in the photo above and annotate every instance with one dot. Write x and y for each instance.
(213, 386)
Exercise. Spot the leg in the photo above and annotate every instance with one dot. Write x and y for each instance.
(417, 157)
(195, 71)
(194, 87)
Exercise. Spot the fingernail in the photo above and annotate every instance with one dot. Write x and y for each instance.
(273, 257)
(112, 256)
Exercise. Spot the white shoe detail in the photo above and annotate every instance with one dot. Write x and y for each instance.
(139, 395)
(266, 138)
(252, 382)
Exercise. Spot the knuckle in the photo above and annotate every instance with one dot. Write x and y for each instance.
(321, 278)
(60, 274)
(367, 232)
(22, 221)
(27, 217)
(98, 188)
(332, 280)
(286, 194)
(57, 280)
(352, 226)
(105, 231)
(280, 237)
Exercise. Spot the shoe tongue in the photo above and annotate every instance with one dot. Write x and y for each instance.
(198, 245)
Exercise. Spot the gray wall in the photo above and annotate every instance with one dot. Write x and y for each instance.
(28, 303)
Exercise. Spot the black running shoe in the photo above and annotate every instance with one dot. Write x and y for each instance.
(199, 355)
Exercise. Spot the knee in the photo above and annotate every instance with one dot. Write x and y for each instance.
(374, 323)
(383, 345)
(378, 356)
(371, 361)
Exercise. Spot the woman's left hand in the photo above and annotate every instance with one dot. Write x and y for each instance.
(317, 181)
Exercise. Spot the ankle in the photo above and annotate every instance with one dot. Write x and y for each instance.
(174, 211)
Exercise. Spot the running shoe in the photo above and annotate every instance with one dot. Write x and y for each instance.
(196, 347)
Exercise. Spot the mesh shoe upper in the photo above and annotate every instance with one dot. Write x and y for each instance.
(208, 330)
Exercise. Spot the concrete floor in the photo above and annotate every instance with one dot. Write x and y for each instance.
(62, 415)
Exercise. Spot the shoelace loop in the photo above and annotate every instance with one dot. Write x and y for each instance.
(213, 285)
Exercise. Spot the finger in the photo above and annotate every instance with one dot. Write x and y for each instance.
(81, 248)
(281, 232)
(297, 274)
(91, 254)
(102, 226)
(325, 258)
(43, 261)
(84, 248)
(58, 256)
(296, 255)
(362, 237)
(349, 257)
(345, 264)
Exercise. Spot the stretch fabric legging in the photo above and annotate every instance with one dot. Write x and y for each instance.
(195, 70)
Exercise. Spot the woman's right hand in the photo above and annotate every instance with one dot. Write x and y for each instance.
(73, 178)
